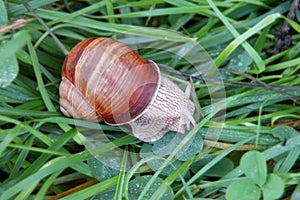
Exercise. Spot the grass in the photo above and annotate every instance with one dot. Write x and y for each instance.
(248, 126)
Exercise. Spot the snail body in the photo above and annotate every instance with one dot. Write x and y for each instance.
(103, 79)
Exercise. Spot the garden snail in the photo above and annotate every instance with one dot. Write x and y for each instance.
(105, 79)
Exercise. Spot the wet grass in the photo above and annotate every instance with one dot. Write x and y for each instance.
(249, 101)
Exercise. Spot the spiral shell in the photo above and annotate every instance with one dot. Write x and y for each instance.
(114, 80)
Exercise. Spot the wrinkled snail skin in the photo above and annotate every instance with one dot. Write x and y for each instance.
(103, 79)
(172, 110)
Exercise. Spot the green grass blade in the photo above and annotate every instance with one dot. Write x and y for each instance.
(242, 38)
(121, 178)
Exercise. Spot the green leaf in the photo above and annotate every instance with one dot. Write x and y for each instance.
(170, 141)
(239, 63)
(101, 171)
(253, 164)
(284, 132)
(155, 164)
(108, 195)
(136, 186)
(273, 188)
(191, 149)
(3, 13)
(221, 169)
(243, 190)
(9, 69)
(166, 144)
(8, 63)
(146, 150)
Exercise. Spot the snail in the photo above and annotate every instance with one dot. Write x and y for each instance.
(103, 79)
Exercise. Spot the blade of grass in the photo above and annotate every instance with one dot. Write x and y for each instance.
(30, 129)
(27, 113)
(140, 3)
(42, 87)
(118, 28)
(293, 24)
(21, 158)
(8, 138)
(52, 167)
(181, 3)
(19, 9)
(87, 10)
(24, 194)
(110, 11)
(36, 149)
(3, 11)
(121, 178)
(36, 165)
(240, 39)
(202, 10)
(39, 169)
(260, 111)
(281, 9)
(79, 123)
(263, 117)
(41, 193)
(283, 65)
(93, 190)
(40, 82)
(289, 161)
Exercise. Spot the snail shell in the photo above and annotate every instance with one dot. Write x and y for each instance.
(105, 79)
